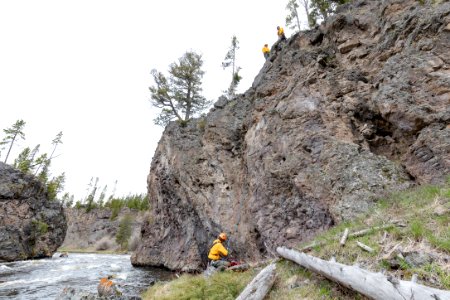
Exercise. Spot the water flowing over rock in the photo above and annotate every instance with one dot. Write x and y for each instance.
(341, 115)
(31, 226)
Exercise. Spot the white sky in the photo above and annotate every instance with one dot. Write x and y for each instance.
(83, 67)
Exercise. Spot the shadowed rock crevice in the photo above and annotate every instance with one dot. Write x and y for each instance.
(338, 117)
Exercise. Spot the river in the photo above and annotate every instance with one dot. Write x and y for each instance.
(46, 278)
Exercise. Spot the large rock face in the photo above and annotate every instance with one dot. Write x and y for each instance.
(97, 230)
(342, 115)
(31, 226)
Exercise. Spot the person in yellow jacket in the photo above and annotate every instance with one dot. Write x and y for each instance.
(218, 252)
(266, 51)
(280, 32)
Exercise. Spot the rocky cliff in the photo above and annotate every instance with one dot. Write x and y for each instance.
(31, 226)
(341, 115)
(97, 230)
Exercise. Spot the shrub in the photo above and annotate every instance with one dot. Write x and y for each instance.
(105, 243)
(201, 124)
(40, 227)
(124, 232)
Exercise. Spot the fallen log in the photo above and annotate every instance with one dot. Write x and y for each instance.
(344, 238)
(369, 230)
(364, 247)
(258, 288)
(349, 235)
(310, 246)
(373, 285)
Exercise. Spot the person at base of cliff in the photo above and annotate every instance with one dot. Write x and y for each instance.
(218, 252)
(266, 51)
(280, 32)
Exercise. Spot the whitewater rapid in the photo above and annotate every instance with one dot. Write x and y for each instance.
(46, 278)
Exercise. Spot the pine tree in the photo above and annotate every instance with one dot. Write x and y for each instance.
(12, 135)
(90, 204)
(230, 61)
(23, 161)
(55, 142)
(321, 9)
(306, 5)
(111, 197)
(55, 186)
(179, 95)
(70, 201)
(292, 19)
(101, 198)
(41, 161)
(124, 232)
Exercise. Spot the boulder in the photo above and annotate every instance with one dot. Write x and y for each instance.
(349, 45)
(31, 226)
(69, 293)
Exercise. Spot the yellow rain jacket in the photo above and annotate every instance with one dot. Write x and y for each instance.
(265, 50)
(217, 250)
(280, 31)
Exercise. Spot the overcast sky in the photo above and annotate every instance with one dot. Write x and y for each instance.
(83, 67)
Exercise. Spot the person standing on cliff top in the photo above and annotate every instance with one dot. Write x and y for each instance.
(280, 33)
(266, 51)
(218, 252)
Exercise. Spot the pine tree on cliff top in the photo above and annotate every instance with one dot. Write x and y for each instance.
(321, 9)
(230, 61)
(178, 96)
(12, 135)
(292, 19)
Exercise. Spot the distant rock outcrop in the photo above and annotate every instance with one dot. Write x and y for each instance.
(340, 116)
(31, 226)
(96, 230)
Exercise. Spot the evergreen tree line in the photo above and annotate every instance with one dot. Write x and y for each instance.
(96, 198)
(30, 160)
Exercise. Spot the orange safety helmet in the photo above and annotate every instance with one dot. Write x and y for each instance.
(223, 236)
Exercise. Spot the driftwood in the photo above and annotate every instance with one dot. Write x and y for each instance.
(349, 235)
(344, 237)
(310, 246)
(372, 285)
(258, 288)
(369, 230)
(364, 247)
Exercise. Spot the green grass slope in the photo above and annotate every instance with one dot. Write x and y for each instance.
(418, 242)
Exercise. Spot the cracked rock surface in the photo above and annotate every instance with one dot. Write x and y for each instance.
(343, 114)
(31, 226)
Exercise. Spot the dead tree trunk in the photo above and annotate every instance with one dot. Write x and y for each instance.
(260, 285)
(373, 285)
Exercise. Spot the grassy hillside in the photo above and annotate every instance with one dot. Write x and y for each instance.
(418, 243)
